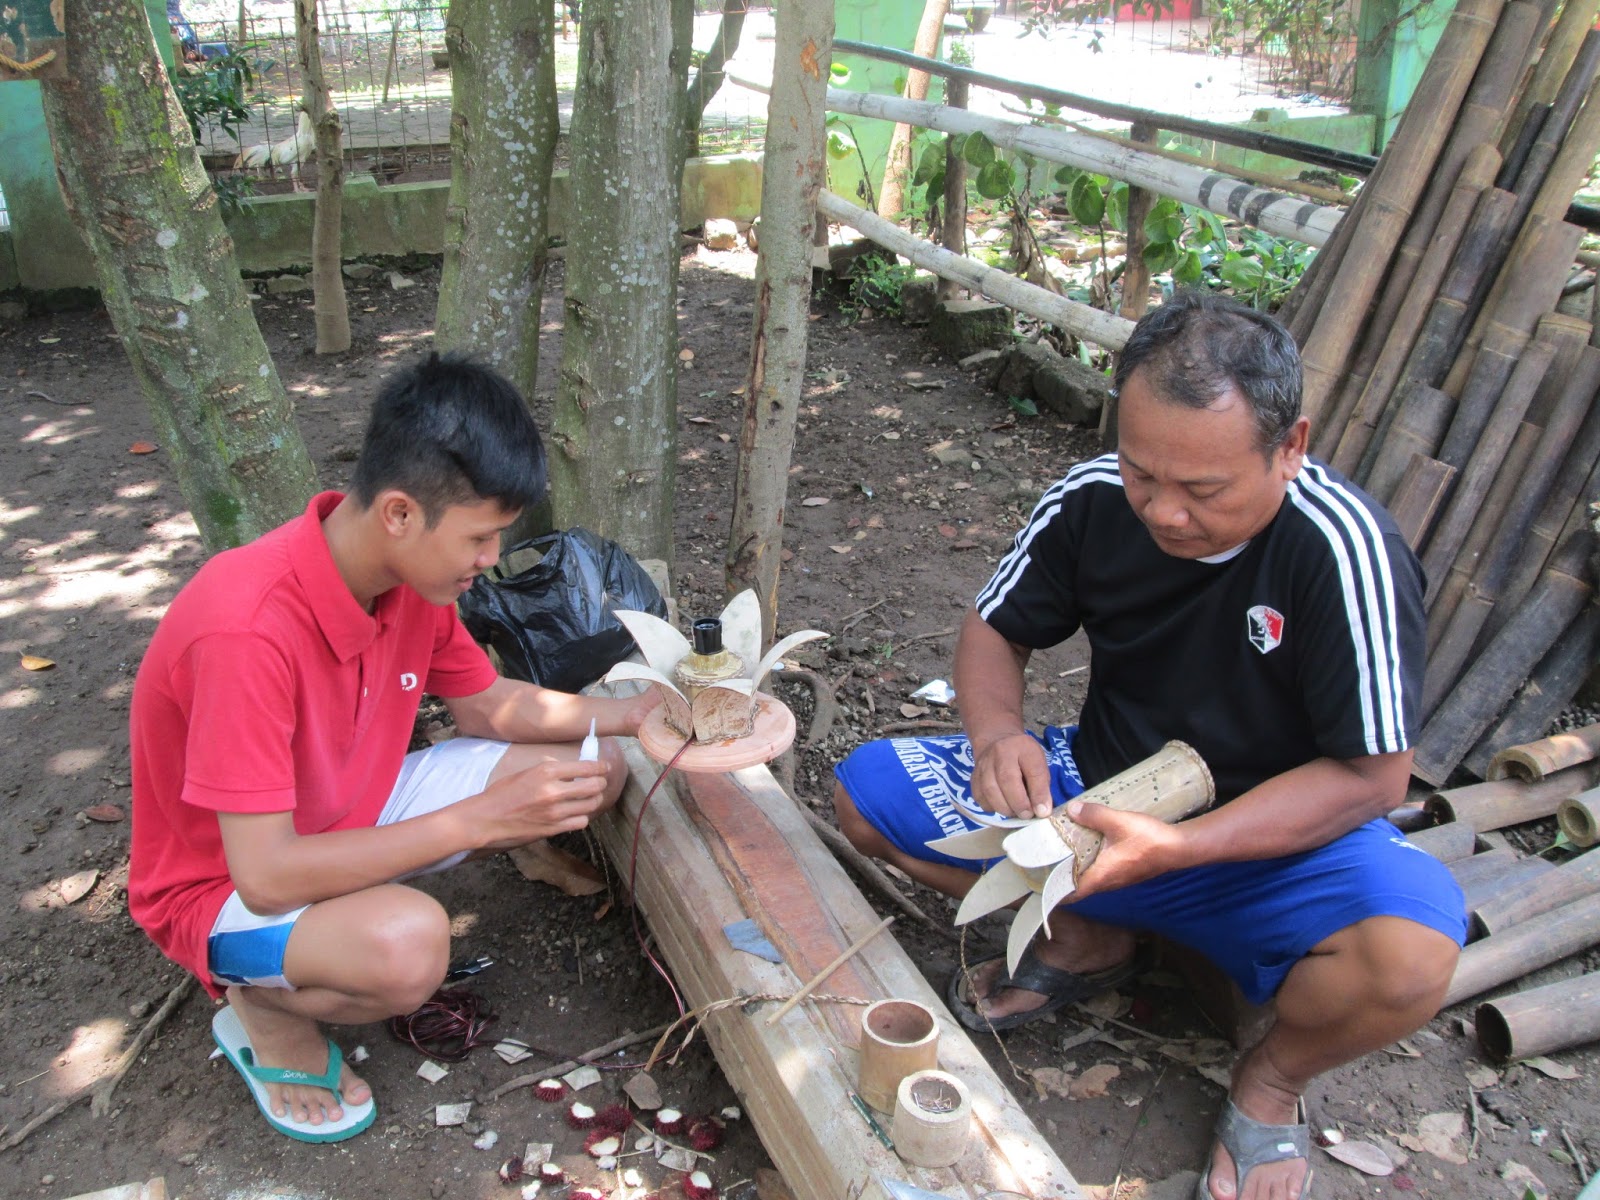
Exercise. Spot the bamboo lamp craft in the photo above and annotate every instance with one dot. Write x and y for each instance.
(1043, 858)
(711, 688)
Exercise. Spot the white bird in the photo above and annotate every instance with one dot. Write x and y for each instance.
(287, 152)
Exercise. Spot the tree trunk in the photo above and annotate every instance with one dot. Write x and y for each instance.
(954, 235)
(614, 441)
(327, 273)
(897, 169)
(134, 183)
(711, 73)
(502, 142)
(790, 182)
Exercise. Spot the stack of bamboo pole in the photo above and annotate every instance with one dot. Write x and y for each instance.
(1440, 377)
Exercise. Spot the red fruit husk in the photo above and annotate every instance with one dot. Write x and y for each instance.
(669, 1128)
(552, 1173)
(598, 1135)
(705, 1133)
(695, 1192)
(550, 1092)
(614, 1118)
(578, 1122)
(511, 1170)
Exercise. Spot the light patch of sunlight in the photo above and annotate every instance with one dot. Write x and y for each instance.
(404, 338)
(92, 1051)
(75, 762)
(10, 516)
(77, 591)
(273, 1191)
(139, 491)
(463, 924)
(20, 697)
(56, 433)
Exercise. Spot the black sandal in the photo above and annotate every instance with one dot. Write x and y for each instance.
(1060, 988)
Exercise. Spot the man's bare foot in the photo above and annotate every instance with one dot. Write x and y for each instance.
(1117, 948)
(1285, 1178)
(292, 1042)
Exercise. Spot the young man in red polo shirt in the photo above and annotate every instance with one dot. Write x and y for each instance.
(276, 812)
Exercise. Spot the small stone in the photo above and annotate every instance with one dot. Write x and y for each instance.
(280, 284)
(451, 1114)
(400, 282)
(486, 1141)
(140, 1009)
(188, 1160)
(359, 271)
(721, 234)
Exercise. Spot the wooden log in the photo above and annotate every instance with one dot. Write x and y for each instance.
(1535, 760)
(1499, 392)
(718, 849)
(1496, 803)
(1419, 497)
(1447, 843)
(954, 210)
(1274, 212)
(1571, 881)
(1420, 419)
(1537, 942)
(1102, 328)
(1385, 213)
(1548, 690)
(1400, 314)
(1579, 818)
(1455, 618)
(1135, 271)
(1504, 877)
(1542, 1020)
(1505, 662)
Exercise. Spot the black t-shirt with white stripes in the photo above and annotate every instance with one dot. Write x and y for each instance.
(1307, 642)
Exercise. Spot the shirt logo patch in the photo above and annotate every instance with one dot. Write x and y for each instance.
(408, 682)
(1266, 627)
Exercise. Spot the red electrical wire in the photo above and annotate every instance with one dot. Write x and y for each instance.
(633, 872)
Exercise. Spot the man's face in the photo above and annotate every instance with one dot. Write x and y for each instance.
(441, 562)
(1197, 477)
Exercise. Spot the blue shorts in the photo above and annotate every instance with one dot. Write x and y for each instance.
(1255, 920)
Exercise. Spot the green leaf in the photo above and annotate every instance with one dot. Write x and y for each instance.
(932, 160)
(1022, 406)
(1117, 206)
(979, 150)
(1065, 175)
(1242, 274)
(1189, 269)
(840, 72)
(995, 180)
(840, 144)
(1086, 202)
(1165, 222)
(958, 144)
(899, 85)
(1161, 257)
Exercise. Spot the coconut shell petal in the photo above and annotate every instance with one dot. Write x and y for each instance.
(1036, 844)
(1061, 884)
(975, 844)
(783, 647)
(661, 644)
(724, 710)
(996, 888)
(741, 627)
(1029, 919)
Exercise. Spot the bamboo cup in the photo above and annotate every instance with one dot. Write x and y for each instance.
(898, 1038)
(1536, 760)
(932, 1119)
(1579, 818)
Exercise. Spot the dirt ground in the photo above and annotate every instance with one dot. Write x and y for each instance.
(94, 541)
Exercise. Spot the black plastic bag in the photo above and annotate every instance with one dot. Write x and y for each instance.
(552, 623)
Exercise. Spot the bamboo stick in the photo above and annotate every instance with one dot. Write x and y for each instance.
(1512, 875)
(1516, 153)
(1555, 63)
(1300, 307)
(1572, 880)
(1483, 865)
(1447, 843)
(1536, 760)
(1579, 818)
(1420, 419)
(1540, 1021)
(1419, 496)
(1497, 803)
(1274, 212)
(1401, 313)
(1385, 213)
(1102, 328)
(1548, 690)
(1535, 943)
(1505, 662)
(1558, 126)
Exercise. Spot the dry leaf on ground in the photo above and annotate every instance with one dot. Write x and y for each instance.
(1092, 1084)
(1551, 1068)
(642, 1090)
(59, 893)
(1523, 1180)
(544, 863)
(105, 813)
(1437, 1134)
(142, 448)
(814, 501)
(1053, 1080)
(32, 662)
(1363, 1156)
(1481, 1076)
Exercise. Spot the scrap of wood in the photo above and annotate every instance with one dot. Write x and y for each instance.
(588, 1056)
(821, 976)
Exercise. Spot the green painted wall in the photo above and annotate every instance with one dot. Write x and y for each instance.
(1392, 55)
(880, 23)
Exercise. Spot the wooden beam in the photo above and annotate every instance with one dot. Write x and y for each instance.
(714, 849)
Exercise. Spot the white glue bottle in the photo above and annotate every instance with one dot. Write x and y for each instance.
(590, 750)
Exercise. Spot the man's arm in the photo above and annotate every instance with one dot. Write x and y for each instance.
(1010, 775)
(509, 710)
(1298, 810)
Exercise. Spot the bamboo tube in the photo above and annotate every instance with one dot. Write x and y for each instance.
(1572, 880)
(1555, 63)
(1509, 876)
(1483, 865)
(1102, 328)
(1409, 817)
(1541, 1021)
(1480, 436)
(1447, 843)
(1579, 818)
(1558, 126)
(1549, 689)
(1419, 496)
(1537, 942)
(1516, 153)
(1420, 419)
(1497, 803)
(1505, 662)
(1387, 209)
(1536, 760)
(1400, 315)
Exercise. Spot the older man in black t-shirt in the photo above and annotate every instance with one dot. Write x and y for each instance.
(1245, 599)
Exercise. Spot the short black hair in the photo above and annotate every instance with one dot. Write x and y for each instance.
(1197, 345)
(448, 430)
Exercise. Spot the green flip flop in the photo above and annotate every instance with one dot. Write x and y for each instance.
(229, 1034)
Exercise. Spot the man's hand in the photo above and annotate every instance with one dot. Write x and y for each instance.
(1011, 777)
(1137, 847)
(641, 707)
(556, 796)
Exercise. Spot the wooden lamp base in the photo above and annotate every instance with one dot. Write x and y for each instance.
(773, 734)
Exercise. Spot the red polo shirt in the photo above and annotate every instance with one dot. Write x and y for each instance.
(268, 688)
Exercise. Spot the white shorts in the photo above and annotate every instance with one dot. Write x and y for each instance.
(245, 948)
